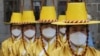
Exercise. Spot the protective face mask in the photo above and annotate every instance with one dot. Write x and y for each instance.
(16, 32)
(62, 30)
(49, 32)
(29, 33)
(78, 38)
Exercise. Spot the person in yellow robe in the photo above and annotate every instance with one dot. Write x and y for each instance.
(48, 34)
(77, 32)
(61, 29)
(16, 34)
(78, 43)
(48, 41)
(62, 32)
(28, 34)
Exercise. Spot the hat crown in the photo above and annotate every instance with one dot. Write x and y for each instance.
(76, 11)
(16, 18)
(48, 13)
(61, 18)
(28, 17)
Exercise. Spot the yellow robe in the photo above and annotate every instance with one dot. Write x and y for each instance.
(26, 48)
(7, 47)
(62, 40)
(38, 47)
(1, 54)
(15, 46)
(65, 51)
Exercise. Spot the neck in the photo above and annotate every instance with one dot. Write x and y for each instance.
(48, 40)
(16, 37)
(77, 49)
(29, 39)
(62, 34)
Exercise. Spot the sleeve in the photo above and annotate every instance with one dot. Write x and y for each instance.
(1, 52)
(57, 52)
(15, 47)
(98, 53)
(4, 49)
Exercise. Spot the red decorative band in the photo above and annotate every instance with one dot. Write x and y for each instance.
(76, 21)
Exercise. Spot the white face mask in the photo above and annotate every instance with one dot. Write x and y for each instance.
(29, 33)
(16, 32)
(78, 38)
(49, 32)
(62, 30)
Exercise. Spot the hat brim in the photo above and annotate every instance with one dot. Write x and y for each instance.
(87, 23)
(58, 23)
(34, 22)
(8, 23)
(46, 21)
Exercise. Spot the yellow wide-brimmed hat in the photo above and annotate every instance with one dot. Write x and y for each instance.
(48, 14)
(16, 18)
(28, 17)
(61, 19)
(76, 14)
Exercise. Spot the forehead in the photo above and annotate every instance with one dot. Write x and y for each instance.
(61, 26)
(78, 26)
(47, 24)
(29, 25)
(16, 26)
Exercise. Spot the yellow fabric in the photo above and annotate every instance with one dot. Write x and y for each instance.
(28, 17)
(48, 13)
(38, 47)
(62, 40)
(76, 11)
(65, 51)
(1, 54)
(7, 47)
(15, 46)
(25, 48)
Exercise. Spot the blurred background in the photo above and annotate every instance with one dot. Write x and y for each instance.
(6, 8)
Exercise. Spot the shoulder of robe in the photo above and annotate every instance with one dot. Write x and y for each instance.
(57, 52)
(97, 52)
(61, 42)
(18, 42)
(7, 40)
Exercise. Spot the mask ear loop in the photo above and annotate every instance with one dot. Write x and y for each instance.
(43, 46)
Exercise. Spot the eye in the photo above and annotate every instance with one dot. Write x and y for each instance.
(74, 30)
(25, 27)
